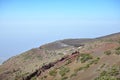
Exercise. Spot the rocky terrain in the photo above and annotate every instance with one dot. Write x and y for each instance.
(69, 59)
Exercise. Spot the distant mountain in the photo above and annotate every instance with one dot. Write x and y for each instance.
(65, 43)
(68, 59)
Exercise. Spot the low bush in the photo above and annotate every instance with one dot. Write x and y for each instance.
(53, 72)
(94, 61)
(64, 70)
(74, 74)
(109, 74)
(85, 57)
(82, 68)
(117, 52)
(64, 78)
(60, 54)
(107, 52)
(68, 62)
(102, 65)
(118, 48)
(34, 78)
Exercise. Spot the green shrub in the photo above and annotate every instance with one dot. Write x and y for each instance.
(64, 78)
(118, 48)
(68, 62)
(60, 54)
(109, 74)
(78, 69)
(63, 70)
(119, 41)
(103, 73)
(34, 78)
(102, 65)
(82, 68)
(53, 72)
(106, 78)
(85, 57)
(95, 61)
(107, 52)
(74, 74)
(86, 66)
(114, 71)
(45, 76)
(19, 75)
(117, 52)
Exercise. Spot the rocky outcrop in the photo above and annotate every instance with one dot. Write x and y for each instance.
(39, 71)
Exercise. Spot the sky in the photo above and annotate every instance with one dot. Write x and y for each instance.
(26, 24)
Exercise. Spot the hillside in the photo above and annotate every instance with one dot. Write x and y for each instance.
(69, 59)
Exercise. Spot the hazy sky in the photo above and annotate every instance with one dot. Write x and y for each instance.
(25, 24)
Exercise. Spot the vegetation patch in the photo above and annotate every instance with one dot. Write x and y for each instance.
(20, 75)
(119, 41)
(34, 78)
(94, 61)
(84, 57)
(74, 74)
(64, 78)
(109, 74)
(118, 48)
(117, 51)
(68, 62)
(60, 54)
(39, 57)
(102, 66)
(107, 52)
(64, 70)
(53, 72)
(82, 68)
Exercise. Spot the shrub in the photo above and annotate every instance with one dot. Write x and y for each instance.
(86, 66)
(19, 75)
(74, 74)
(109, 74)
(45, 76)
(95, 61)
(106, 78)
(103, 73)
(68, 62)
(64, 78)
(119, 41)
(82, 68)
(102, 65)
(107, 52)
(53, 72)
(114, 71)
(117, 52)
(64, 70)
(118, 48)
(78, 69)
(60, 54)
(85, 57)
(34, 78)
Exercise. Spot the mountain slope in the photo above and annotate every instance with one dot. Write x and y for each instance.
(104, 52)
